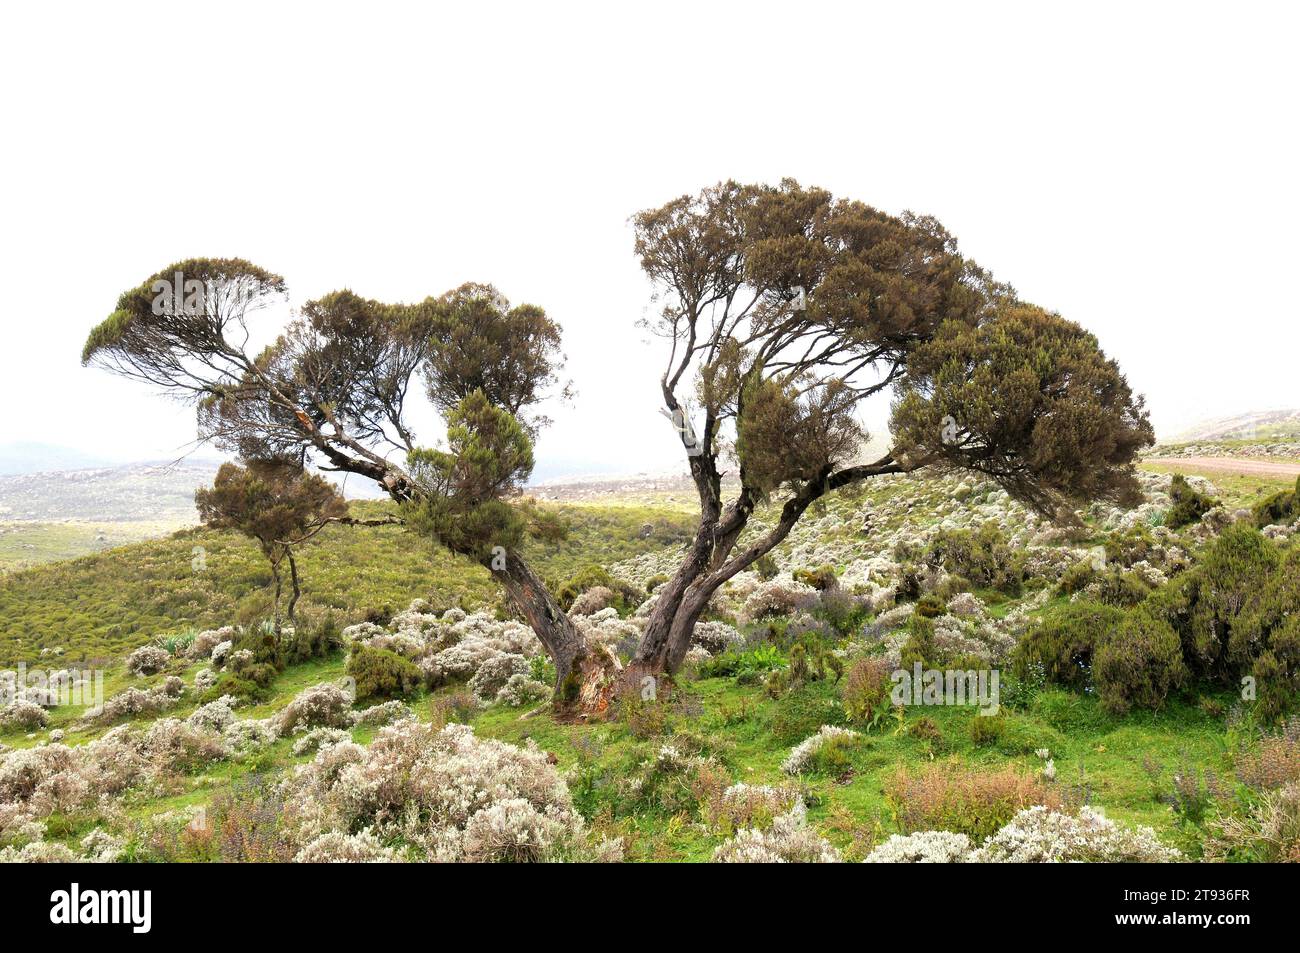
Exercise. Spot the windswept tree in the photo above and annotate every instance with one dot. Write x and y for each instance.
(782, 309)
(276, 504)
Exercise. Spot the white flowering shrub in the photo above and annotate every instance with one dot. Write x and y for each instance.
(221, 653)
(715, 637)
(1038, 835)
(335, 847)
(326, 705)
(495, 672)
(204, 679)
(781, 596)
(802, 756)
(172, 745)
(318, 738)
(924, 847)
(207, 640)
(215, 715)
(22, 714)
(788, 841)
(249, 736)
(750, 806)
(385, 713)
(593, 600)
(148, 660)
(520, 690)
(140, 701)
(38, 852)
(425, 789)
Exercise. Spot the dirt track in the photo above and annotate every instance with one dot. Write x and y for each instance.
(1250, 466)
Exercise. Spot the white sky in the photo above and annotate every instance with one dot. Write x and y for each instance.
(1134, 169)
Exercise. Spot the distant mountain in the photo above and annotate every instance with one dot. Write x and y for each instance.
(137, 491)
(31, 457)
(1255, 425)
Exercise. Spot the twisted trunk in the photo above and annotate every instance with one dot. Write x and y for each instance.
(585, 675)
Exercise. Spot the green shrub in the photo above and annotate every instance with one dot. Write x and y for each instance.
(654, 582)
(379, 673)
(1210, 601)
(629, 597)
(1188, 505)
(766, 567)
(821, 578)
(1062, 643)
(1281, 508)
(983, 556)
(987, 729)
(1139, 665)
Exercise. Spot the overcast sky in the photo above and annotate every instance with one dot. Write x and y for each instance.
(1133, 168)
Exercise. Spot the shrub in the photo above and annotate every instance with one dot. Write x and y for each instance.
(448, 794)
(325, 705)
(380, 673)
(22, 714)
(1041, 835)
(983, 556)
(1280, 508)
(626, 595)
(1188, 504)
(924, 847)
(1208, 605)
(823, 753)
(147, 660)
(789, 840)
(987, 729)
(1062, 643)
(1138, 665)
(865, 690)
(962, 799)
(822, 578)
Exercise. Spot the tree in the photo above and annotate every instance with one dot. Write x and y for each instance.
(276, 504)
(783, 310)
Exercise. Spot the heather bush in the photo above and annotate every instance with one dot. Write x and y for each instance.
(983, 556)
(148, 660)
(495, 672)
(317, 738)
(1188, 506)
(445, 794)
(923, 847)
(965, 800)
(336, 847)
(825, 752)
(376, 716)
(326, 705)
(865, 691)
(379, 673)
(1062, 644)
(1041, 834)
(788, 841)
(22, 714)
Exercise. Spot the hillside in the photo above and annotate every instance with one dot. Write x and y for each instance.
(670, 779)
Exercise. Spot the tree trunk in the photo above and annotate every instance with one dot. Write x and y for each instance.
(275, 573)
(585, 675)
(293, 575)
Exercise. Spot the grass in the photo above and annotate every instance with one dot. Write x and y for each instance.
(99, 607)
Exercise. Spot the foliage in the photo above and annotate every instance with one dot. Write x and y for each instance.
(380, 673)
